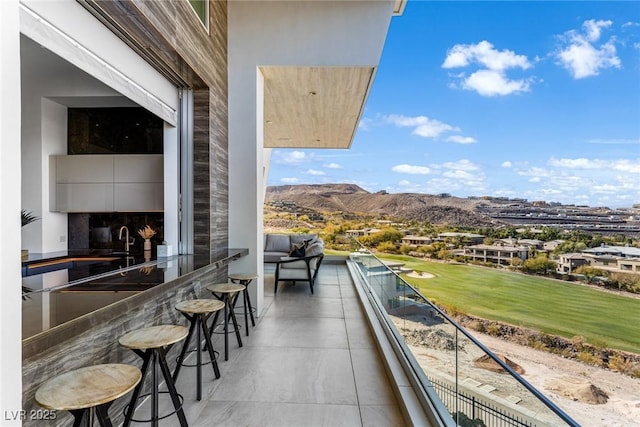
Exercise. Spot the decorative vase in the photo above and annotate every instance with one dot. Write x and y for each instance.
(147, 244)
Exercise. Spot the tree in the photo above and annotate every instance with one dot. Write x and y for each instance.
(539, 265)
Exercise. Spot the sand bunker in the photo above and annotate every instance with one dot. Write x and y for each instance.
(420, 275)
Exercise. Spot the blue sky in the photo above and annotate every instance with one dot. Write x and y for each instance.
(536, 100)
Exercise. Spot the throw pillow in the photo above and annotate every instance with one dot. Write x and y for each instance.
(297, 251)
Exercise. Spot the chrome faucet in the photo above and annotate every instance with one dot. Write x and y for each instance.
(128, 242)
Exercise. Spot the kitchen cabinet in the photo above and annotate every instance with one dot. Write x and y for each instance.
(108, 183)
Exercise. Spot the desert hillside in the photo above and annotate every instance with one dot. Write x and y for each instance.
(437, 209)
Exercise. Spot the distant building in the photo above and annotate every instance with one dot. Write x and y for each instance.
(568, 262)
(469, 238)
(497, 254)
(416, 240)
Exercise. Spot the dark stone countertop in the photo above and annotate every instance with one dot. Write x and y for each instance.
(65, 291)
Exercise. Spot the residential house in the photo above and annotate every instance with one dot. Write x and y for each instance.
(416, 241)
(567, 263)
(497, 254)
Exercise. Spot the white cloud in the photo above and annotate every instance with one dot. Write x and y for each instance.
(493, 83)
(507, 164)
(459, 139)
(423, 126)
(404, 183)
(491, 78)
(580, 55)
(292, 157)
(485, 54)
(459, 174)
(289, 180)
(315, 172)
(411, 169)
(463, 164)
(622, 165)
(535, 179)
(333, 166)
(365, 123)
(535, 171)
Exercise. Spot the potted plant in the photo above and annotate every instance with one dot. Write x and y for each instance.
(27, 218)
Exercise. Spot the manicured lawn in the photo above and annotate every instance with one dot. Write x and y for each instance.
(547, 305)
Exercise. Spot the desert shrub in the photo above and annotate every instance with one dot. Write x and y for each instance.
(588, 357)
(623, 365)
(405, 249)
(538, 344)
(493, 329)
(387, 247)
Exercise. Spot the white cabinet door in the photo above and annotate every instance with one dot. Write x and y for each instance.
(138, 168)
(138, 197)
(84, 169)
(109, 183)
(78, 197)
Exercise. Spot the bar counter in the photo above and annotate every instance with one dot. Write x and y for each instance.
(78, 324)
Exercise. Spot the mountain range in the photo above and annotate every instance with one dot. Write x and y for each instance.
(352, 199)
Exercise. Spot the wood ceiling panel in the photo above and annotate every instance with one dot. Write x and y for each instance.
(313, 107)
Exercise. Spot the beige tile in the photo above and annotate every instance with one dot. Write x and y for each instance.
(381, 416)
(323, 332)
(305, 306)
(372, 382)
(358, 333)
(228, 414)
(293, 375)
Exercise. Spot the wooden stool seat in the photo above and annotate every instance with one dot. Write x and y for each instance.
(242, 277)
(153, 337)
(200, 306)
(198, 311)
(225, 288)
(88, 388)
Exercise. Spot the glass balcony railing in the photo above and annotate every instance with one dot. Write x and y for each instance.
(460, 377)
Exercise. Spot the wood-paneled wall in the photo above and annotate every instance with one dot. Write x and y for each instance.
(170, 36)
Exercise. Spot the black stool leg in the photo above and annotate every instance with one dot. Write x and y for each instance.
(209, 344)
(226, 327)
(78, 415)
(154, 389)
(253, 321)
(235, 320)
(198, 358)
(102, 412)
(146, 356)
(162, 361)
(185, 347)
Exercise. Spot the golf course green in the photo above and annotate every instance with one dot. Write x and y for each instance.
(560, 308)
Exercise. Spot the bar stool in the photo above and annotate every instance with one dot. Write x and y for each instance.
(227, 293)
(91, 389)
(245, 279)
(198, 311)
(156, 341)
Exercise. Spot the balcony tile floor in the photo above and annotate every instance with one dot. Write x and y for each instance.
(310, 361)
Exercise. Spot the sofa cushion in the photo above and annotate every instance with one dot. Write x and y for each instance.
(278, 243)
(273, 257)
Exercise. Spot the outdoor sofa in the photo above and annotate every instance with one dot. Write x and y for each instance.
(278, 249)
